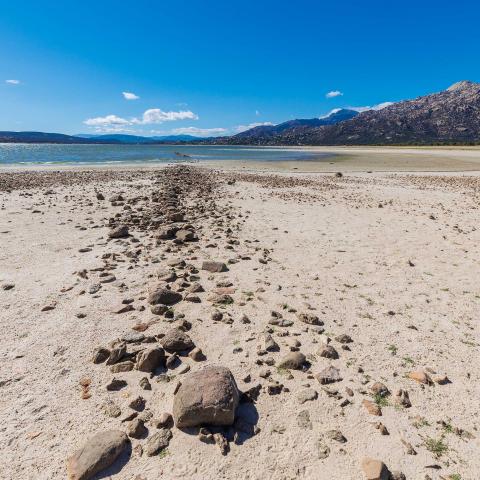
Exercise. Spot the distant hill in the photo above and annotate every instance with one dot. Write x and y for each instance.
(448, 117)
(40, 137)
(273, 134)
(451, 116)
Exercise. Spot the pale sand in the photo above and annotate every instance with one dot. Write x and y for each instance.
(331, 247)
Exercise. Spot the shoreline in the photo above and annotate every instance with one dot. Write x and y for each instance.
(344, 159)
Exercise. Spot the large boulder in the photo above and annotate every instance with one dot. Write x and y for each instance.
(98, 453)
(207, 397)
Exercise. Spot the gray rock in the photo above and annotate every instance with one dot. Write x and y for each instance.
(118, 232)
(309, 319)
(307, 395)
(292, 361)
(329, 375)
(136, 428)
(158, 442)
(176, 340)
(214, 267)
(303, 420)
(206, 397)
(161, 295)
(327, 351)
(150, 359)
(98, 453)
(100, 355)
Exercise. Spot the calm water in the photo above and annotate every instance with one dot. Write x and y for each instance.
(49, 154)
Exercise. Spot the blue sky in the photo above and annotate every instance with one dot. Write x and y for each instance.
(211, 67)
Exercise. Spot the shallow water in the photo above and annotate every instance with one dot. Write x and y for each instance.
(52, 154)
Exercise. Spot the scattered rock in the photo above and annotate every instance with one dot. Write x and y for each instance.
(163, 296)
(176, 340)
(207, 397)
(374, 469)
(98, 453)
(158, 442)
(214, 267)
(293, 361)
(118, 232)
(150, 359)
(329, 375)
(307, 395)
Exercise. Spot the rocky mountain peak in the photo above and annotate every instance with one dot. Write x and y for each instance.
(462, 85)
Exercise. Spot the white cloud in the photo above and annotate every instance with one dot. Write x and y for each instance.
(109, 120)
(257, 113)
(155, 115)
(130, 96)
(379, 106)
(243, 128)
(199, 132)
(334, 93)
(151, 116)
(13, 82)
(331, 112)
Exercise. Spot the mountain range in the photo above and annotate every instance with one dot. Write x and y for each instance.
(448, 117)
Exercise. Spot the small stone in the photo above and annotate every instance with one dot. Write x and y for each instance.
(420, 377)
(382, 428)
(122, 308)
(136, 428)
(158, 442)
(116, 384)
(327, 351)
(372, 408)
(293, 361)
(176, 340)
(111, 409)
(98, 453)
(144, 383)
(118, 232)
(379, 388)
(374, 469)
(303, 420)
(442, 379)
(307, 395)
(117, 353)
(137, 404)
(323, 450)
(150, 359)
(122, 367)
(100, 355)
(336, 435)
(222, 443)
(401, 398)
(197, 355)
(214, 267)
(164, 421)
(270, 344)
(161, 295)
(329, 375)
(309, 319)
(344, 339)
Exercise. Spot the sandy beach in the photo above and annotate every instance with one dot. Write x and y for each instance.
(345, 307)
